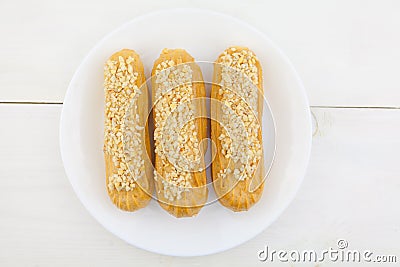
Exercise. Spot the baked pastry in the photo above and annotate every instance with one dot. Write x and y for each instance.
(126, 138)
(178, 103)
(236, 111)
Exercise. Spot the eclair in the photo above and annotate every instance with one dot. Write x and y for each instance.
(126, 139)
(236, 109)
(179, 130)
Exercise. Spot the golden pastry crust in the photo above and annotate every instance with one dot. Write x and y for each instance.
(194, 195)
(235, 194)
(128, 178)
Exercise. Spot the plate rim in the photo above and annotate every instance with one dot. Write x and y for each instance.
(301, 175)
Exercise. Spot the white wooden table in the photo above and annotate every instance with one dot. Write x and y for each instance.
(347, 54)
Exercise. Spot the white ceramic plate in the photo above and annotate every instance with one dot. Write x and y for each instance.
(204, 35)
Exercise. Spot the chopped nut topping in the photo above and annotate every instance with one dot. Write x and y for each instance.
(175, 141)
(239, 79)
(122, 132)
